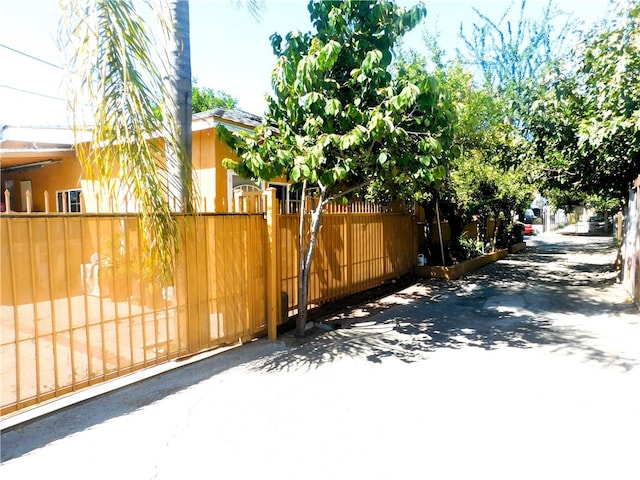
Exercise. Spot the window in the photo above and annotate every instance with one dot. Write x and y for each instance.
(69, 200)
(289, 199)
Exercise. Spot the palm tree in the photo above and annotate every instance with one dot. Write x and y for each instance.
(175, 15)
(179, 86)
(115, 76)
(113, 59)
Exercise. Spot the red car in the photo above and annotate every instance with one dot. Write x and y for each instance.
(528, 229)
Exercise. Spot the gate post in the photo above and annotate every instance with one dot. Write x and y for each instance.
(273, 282)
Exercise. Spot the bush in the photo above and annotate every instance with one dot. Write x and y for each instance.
(511, 234)
(469, 248)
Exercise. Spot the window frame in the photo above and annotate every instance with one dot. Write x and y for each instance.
(72, 207)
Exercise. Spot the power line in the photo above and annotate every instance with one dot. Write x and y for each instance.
(33, 93)
(32, 57)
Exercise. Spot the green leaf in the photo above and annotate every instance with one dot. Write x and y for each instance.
(309, 99)
(339, 172)
(440, 173)
(303, 79)
(408, 95)
(371, 61)
(328, 55)
(333, 107)
(296, 173)
(425, 160)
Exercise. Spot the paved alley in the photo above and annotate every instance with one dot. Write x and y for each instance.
(528, 368)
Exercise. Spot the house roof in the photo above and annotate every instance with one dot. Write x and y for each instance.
(210, 118)
(22, 147)
(33, 134)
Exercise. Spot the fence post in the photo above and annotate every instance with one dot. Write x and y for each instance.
(273, 282)
(29, 200)
(7, 201)
(237, 201)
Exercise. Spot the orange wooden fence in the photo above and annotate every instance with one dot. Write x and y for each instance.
(355, 252)
(78, 306)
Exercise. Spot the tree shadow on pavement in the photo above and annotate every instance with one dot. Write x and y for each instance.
(410, 338)
(511, 303)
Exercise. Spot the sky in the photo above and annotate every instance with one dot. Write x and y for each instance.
(230, 50)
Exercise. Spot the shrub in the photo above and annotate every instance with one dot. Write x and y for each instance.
(470, 248)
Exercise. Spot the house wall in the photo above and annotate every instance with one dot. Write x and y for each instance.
(205, 166)
(631, 247)
(221, 151)
(97, 198)
(210, 178)
(210, 175)
(50, 178)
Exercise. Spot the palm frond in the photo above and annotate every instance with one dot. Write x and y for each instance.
(254, 7)
(113, 58)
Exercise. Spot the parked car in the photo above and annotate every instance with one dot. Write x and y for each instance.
(529, 216)
(597, 224)
(528, 229)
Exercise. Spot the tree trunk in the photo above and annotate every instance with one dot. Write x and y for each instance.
(306, 258)
(496, 226)
(179, 86)
(429, 217)
(483, 231)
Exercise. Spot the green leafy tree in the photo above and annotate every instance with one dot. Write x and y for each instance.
(610, 85)
(552, 126)
(485, 178)
(585, 126)
(484, 189)
(341, 120)
(511, 54)
(204, 98)
(514, 58)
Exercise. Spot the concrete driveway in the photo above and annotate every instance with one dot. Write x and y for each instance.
(528, 368)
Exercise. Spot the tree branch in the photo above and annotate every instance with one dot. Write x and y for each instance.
(349, 190)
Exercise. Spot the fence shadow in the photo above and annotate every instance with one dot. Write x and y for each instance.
(28, 436)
